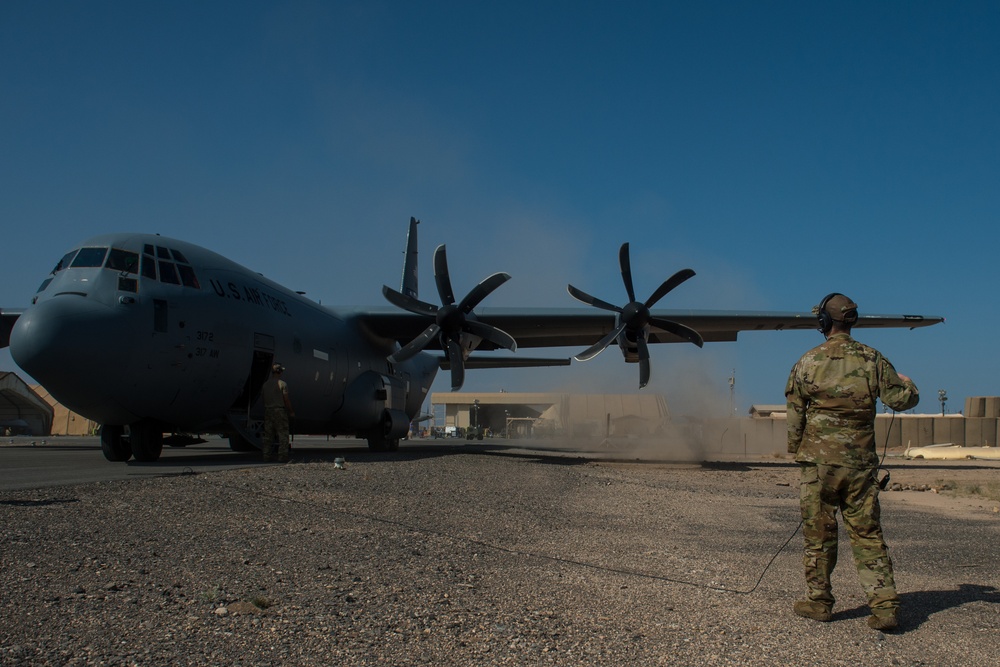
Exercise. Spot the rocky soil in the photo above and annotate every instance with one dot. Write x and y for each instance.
(478, 559)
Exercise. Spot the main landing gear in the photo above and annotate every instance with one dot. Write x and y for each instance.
(385, 438)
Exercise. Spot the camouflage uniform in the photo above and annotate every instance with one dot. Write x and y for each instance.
(275, 394)
(831, 394)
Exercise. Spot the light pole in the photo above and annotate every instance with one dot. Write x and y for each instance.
(943, 397)
(732, 393)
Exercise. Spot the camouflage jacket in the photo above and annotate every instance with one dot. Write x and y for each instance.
(831, 394)
(274, 392)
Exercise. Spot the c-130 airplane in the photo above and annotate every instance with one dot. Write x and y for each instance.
(145, 334)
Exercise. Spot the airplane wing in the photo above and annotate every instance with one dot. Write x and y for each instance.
(7, 318)
(575, 327)
(578, 327)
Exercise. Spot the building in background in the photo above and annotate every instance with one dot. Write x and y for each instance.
(518, 415)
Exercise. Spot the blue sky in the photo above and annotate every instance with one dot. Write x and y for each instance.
(783, 150)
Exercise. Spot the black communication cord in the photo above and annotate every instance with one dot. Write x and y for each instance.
(519, 552)
(884, 482)
(568, 561)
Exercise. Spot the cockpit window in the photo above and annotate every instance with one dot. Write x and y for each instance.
(168, 273)
(187, 276)
(148, 266)
(90, 257)
(174, 268)
(123, 260)
(64, 262)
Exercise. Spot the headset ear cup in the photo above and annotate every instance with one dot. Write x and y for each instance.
(825, 321)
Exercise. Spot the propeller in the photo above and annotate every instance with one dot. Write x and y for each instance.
(451, 320)
(635, 319)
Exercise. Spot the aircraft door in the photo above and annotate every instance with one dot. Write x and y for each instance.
(242, 414)
(260, 369)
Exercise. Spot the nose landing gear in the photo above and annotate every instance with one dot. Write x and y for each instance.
(114, 445)
(144, 442)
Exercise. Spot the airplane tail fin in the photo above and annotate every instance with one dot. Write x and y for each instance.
(408, 286)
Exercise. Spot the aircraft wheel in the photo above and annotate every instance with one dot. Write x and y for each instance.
(147, 441)
(115, 447)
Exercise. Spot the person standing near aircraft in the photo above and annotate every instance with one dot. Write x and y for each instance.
(277, 414)
(831, 394)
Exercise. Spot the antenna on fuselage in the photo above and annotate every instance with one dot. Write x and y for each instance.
(408, 286)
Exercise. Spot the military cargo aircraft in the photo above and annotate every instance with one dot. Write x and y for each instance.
(148, 335)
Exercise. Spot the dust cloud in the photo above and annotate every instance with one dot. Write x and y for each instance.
(700, 419)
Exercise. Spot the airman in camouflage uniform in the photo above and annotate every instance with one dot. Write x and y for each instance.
(277, 412)
(831, 395)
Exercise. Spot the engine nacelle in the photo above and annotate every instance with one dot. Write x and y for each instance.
(368, 400)
(395, 424)
(627, 343)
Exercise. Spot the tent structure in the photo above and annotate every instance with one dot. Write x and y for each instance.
(22, 411)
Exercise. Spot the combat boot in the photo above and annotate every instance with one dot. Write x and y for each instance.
(817, 611)
(883, 623)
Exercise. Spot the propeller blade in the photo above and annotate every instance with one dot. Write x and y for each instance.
(580, 295)
(498, 337)
(450, 321)
(683, 331)
(481, 291)
(668, 284)
(635, 317)
(457, 364)
(416, 345)
(600, 345)
(441, 277)
(626, 266)
(643, 361)
(408, 303)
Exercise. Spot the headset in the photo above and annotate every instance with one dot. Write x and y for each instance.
(826, 320)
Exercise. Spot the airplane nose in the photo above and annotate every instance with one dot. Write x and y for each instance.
(63, 343)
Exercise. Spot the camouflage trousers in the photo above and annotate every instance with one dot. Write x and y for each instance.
(824, 490)
(275, 429)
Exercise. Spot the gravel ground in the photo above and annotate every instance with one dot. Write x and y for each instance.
(472, 558)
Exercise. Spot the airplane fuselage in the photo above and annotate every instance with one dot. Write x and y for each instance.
(136, 328)
(158, 335)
